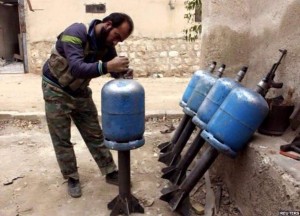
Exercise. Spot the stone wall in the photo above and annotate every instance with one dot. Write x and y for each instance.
(148, 57)
(156, 46)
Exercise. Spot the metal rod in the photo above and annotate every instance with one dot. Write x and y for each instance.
(125, 203)
(176, 174)
(171, 158)
(202, 165)
(176, 195)
(124, 173)
(167, 146)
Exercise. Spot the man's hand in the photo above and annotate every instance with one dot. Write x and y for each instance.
(118, 64)
(128, 74)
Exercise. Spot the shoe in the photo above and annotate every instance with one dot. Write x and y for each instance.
(112, 178)
(74, 188)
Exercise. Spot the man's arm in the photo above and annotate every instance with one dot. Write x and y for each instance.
(72, 42)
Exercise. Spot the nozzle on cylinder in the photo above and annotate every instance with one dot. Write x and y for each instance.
(241, 74)
(221, 70)
(212, 66)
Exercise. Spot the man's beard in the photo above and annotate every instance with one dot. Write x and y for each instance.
(102, 38)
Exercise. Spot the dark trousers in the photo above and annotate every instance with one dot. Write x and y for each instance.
(60, 109)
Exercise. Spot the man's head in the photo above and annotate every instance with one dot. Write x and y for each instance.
(116, 28)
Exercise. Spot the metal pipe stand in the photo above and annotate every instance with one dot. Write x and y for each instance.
(177, 196)
(125, 203)
(167, 146)
(172, 157)
(177, 173)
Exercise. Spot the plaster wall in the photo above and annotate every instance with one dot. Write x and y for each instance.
(251, 33)
(152, 18)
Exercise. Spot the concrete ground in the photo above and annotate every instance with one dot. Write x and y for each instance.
(261, 181)
(21, 93)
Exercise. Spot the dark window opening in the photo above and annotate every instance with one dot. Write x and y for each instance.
(198, 14)
(95, 8)
(9, 31)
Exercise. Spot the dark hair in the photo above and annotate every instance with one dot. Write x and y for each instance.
(118, 18)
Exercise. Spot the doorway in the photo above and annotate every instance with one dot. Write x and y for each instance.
(11, 38)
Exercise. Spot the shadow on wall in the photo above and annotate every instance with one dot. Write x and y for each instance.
(227, 46)
(290, 32)
(264, 51)
(258, 51)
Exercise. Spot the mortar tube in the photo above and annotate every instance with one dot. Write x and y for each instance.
(171, 155)
(176, 195)
(125, 202)
(176, 173)
(166, 146)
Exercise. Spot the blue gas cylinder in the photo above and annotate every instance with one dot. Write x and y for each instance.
(206, 81)
(213, 100)
(123, 114)
(237, 119)
(193, 82)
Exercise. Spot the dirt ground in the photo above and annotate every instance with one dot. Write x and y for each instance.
(31, 184)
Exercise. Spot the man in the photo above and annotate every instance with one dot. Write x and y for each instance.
(79, 55)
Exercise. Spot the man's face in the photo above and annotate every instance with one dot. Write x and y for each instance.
(116, 35)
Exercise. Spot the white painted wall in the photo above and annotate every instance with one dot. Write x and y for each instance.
(152, 18)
